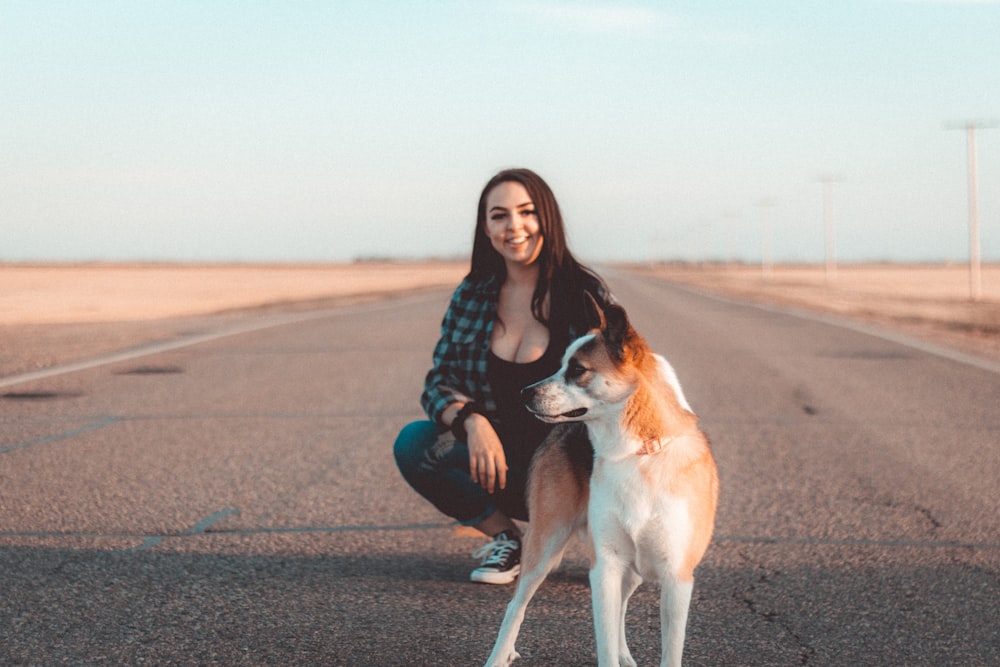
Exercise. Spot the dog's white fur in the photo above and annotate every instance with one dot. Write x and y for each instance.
(651, 498)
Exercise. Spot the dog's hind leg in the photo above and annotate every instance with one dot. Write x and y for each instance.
(675, 600)
(542, 553)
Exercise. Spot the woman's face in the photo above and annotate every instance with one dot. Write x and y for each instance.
(512, 224)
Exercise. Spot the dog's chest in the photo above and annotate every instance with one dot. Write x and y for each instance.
(620, 491)
(631, 516)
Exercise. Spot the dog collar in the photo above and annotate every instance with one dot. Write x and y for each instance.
(653, 446)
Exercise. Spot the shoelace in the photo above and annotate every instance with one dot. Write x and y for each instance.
(497, 551)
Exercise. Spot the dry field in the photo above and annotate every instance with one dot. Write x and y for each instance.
(930, 302)
(64, 293)
(52, 314)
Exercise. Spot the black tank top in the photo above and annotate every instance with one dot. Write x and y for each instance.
(520, 432)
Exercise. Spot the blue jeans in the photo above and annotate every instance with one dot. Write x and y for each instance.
(438, 469)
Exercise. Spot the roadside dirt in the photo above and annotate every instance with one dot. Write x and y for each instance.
(55, 314)
(931, 303)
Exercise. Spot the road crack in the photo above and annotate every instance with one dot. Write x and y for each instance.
(749, 598)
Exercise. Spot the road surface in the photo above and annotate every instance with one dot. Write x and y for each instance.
(231, 498)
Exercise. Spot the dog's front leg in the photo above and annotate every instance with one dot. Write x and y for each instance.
(608, 578)
(675, 600)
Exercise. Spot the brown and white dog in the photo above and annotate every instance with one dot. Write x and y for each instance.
(647, 496)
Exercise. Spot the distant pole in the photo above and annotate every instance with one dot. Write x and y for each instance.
(829, 231)
(975, 273)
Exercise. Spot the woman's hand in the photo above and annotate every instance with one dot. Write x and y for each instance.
(487, 460)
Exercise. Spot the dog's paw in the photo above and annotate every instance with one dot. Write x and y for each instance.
(627, 660)
(514, 655)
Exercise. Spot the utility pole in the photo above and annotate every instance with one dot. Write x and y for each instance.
(830, 232)
(975, 275)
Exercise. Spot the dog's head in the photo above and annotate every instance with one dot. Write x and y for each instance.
(597, 374)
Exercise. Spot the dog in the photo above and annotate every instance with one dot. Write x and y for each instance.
(647, 494)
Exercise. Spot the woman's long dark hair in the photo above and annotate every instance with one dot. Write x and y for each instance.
(560, 276)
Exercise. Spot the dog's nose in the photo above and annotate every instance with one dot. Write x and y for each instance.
(527, 393)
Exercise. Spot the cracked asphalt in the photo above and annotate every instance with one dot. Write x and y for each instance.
(232, 500)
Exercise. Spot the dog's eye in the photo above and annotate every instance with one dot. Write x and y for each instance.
(575, 370)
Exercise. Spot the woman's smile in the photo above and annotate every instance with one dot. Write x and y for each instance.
(512, 223)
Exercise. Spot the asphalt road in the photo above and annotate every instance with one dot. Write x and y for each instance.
(232, 499)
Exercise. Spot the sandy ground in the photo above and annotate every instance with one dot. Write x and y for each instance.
(56, 294)
(930, 302)
(51, 314)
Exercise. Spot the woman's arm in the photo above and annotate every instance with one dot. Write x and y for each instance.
(458, 373)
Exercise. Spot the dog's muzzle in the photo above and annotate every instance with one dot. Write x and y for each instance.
(528, 396)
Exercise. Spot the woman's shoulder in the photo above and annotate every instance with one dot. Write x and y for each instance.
(473, 288)
(472, 302)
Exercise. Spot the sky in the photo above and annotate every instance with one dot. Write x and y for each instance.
(214, 130)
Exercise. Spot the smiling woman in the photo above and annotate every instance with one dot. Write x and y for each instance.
(507, 326)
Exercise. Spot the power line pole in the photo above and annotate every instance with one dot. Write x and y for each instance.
(975, 274)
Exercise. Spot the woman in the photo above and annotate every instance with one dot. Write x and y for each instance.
(507, 326)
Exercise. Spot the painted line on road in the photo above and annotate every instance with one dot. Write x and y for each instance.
(196, 339)
(333, 529)
(147, 543)
(206, 523)
(199, 528)
(202, 528)
(87, 428)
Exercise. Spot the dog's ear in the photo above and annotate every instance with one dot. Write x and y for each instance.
(595, 314)
(615, 329)
(612, 322)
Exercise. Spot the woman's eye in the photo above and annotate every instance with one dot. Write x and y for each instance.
(527, 213)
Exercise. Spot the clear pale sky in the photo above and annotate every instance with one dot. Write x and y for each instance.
(308, 130)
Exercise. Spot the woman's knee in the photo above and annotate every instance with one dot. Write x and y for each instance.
(412, 444)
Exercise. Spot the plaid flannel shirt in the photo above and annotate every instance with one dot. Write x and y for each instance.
(460, 356)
